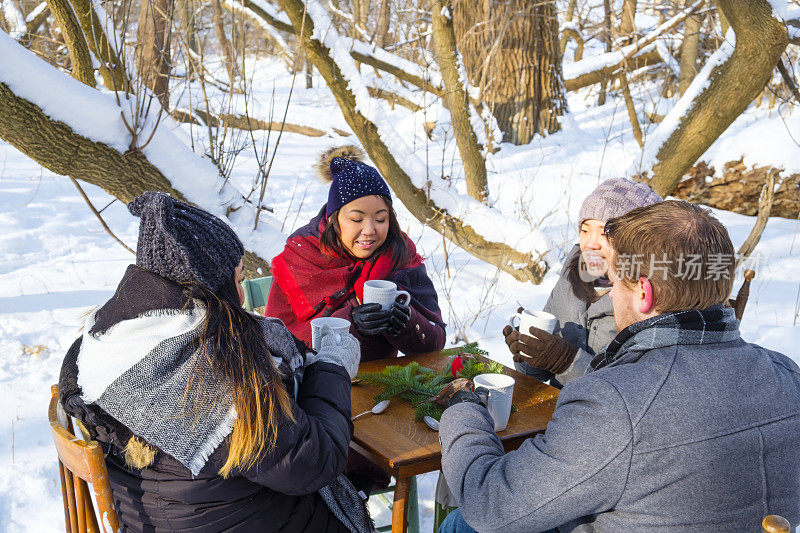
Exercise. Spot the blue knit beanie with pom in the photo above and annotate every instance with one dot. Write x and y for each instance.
(183, 243)
(349, 176)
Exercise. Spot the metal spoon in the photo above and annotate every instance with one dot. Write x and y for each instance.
(431, 422)
(378, 409)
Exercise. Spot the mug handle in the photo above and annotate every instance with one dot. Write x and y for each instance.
(511, 320)
(407, 297)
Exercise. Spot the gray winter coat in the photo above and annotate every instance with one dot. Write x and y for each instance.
(589, 327)
(678, 439)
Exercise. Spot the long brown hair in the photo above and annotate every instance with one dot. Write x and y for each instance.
(331, 238)
(233, 344)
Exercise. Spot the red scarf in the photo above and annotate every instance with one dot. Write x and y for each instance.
(314, 281)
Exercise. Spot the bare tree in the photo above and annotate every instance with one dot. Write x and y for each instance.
(627, 25)
(457, 100)
(689, 50)
(76, 43)
(154, 66)
(733, 83)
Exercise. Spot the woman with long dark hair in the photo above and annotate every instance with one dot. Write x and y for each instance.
(356, 238)
(212, 419)
(580, 300)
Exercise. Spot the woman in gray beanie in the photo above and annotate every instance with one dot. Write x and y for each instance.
(211, 419)
(580, 300)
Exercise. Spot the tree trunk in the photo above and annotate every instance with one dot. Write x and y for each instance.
(55, 146)
(112, 68)
(627, 23)
(689, 50)
(457, 100)
(608, 39)
(189, 32)
(384, 19)
(732, 85)
(524, 86)
(567, 18)
(522, 266)
(78, 50)
(155, 19)
(227, 50)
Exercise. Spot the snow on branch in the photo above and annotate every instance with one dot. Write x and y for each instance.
(95, 115)
(682, 108)
(616, 59)
(14, 18)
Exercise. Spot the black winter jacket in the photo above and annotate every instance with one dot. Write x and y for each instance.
(277, 494)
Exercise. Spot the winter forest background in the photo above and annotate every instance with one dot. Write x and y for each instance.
(491, 120)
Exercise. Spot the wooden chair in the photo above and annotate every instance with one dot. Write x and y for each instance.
(775, 524)
(256, 292)
(81, 462)
(740, 301)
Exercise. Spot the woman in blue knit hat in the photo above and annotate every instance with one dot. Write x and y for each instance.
(353, 239)
(580, 300)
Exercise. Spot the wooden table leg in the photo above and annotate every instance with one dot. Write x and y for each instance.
(402, 488)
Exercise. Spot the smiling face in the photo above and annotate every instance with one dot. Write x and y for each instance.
(595, 249)
(363, 225)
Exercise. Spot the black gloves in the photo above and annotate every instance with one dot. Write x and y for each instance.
(466, 396)
(370, 319)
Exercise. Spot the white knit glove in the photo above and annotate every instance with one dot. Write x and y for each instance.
(343, 350)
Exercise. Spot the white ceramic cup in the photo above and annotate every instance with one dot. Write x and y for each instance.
(498, 395)
(539, 319)
(340, 326)
(383, 292)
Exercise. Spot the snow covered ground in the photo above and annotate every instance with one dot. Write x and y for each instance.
(56, 262)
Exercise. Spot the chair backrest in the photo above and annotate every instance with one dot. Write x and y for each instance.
(740, 301)
(256, 292)
(775, 524)
(81, 462)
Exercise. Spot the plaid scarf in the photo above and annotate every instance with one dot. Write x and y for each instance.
(707, 326)
(137, 365)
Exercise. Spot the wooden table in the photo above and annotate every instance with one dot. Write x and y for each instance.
(404, 448)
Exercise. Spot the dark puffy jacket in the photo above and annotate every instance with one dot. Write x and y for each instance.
(277, 494)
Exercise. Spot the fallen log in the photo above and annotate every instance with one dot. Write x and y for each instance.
(738, 189)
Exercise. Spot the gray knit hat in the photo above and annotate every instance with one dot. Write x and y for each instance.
(183, 243)
(615, 197)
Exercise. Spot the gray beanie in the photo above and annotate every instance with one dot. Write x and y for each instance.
(183, 243)
(615, 197)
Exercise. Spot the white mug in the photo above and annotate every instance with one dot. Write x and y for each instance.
(340, 326)
(539, 319)
(383, 292)
(499, 391)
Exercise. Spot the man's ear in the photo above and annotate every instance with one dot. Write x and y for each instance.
(646, 302)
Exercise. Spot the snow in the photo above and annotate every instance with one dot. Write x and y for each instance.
(14, 18)
(57, 263)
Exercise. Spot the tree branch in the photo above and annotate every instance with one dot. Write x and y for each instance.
(99, 217)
